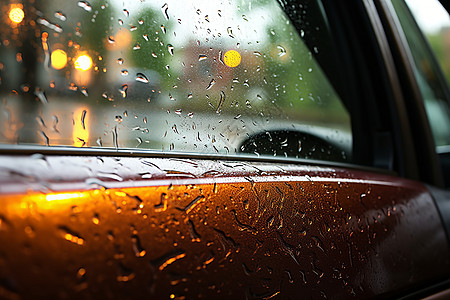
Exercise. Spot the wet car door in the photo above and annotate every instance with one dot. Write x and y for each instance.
(248, 150)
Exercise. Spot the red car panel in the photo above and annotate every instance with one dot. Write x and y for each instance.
(126, 228)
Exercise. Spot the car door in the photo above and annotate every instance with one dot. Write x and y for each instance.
(185, 151)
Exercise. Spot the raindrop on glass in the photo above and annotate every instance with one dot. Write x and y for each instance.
(164, 9)
(60, 16)
(211, 83)
(123, 90)
(230, 32)
(282, 51)
(141, 78)
(170, 49)
(85, 5)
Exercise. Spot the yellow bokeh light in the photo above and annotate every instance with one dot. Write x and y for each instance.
(232, 58)
(59, 59)
(16, 15)
(83, 62)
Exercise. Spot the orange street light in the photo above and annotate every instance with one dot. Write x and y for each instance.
(59, 59)
(83, 62)
(16, 15)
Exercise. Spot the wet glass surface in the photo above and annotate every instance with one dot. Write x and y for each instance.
(212, 77)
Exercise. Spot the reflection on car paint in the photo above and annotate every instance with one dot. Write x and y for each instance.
(175, 228)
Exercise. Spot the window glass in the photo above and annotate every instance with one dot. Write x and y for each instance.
(433, 24)
(214, 77)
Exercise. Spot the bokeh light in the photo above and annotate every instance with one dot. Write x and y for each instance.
(232, 58)
(83, 62)
(59, 59)
(16, 15)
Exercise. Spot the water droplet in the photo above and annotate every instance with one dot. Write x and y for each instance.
(139, 251)
(85, 5)
(140, 22)
(48, 24)
(84, 91)
(164, 9)
(96, 219)
(123, 90)
(170, 49)
(282, 51)
(133, 28)
(163, 29)
(71, 236)
(120, 61)
(195, 237)
(40, 93)
(124, 274)
(111, 39)
(137, 46)
(211, 83)
(81, 272)
(221, 101)
(45, 138)
(120, 22)
(168, 259)
(202, 57)
(126, 12)
(141, 78)
(154, 55)
(60, 16)
(230, 32)
(83, 119)
(124, 72)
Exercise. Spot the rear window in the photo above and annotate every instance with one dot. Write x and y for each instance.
(205, 77)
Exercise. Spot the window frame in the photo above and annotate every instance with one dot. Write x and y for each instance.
(428, 165)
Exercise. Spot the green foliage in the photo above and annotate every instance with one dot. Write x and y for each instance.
(437, 44)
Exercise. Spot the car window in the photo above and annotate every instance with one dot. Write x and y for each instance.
(427, 24)
(228, 78)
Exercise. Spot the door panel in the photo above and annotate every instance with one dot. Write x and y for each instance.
(109, 227)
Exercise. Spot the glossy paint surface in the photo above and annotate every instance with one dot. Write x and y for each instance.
(109, 227)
